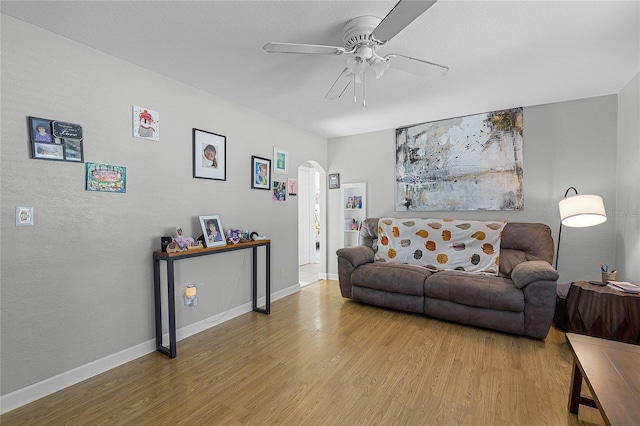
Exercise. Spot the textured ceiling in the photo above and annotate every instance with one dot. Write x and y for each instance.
(501, 53)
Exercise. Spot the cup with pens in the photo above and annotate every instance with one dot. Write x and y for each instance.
(606, 275)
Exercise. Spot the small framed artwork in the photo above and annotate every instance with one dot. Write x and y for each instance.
(292, 186)
(106, 178)
(55, 140)
(212, 231)
(281, 160)
(146, 123)
(260, 173)
(334, 180)
(209, 155)
(279, 191)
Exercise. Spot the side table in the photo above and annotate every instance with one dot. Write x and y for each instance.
(600, 311)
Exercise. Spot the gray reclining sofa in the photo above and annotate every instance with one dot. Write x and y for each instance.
(520, 300)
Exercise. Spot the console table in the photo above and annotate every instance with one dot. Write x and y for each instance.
(600, 311)
(170, 258)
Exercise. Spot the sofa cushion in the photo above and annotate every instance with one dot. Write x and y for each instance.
(509, 259)
(466, 289)
(405, 279)
(441, 244)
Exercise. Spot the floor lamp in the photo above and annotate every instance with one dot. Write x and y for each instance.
(579, 211)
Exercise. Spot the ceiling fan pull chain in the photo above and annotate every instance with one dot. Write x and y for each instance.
(354, 89)
(364, 100)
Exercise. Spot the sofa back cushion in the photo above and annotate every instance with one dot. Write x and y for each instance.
(520, 242)
(441, 244)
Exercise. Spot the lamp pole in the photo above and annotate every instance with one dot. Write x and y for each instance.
(560, 231)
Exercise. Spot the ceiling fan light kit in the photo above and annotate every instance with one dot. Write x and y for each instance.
(362, 37)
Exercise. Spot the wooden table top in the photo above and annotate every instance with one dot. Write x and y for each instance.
(612, 372)
(159, 254)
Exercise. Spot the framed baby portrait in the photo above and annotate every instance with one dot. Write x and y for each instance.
(260, 173)
(209, 155)
(212, 231)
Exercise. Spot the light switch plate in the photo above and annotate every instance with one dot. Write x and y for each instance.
(24, 216)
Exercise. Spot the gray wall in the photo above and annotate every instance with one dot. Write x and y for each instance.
(627, 211)
(77, 286)
(565, 144)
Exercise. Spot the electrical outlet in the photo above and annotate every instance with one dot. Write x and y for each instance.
(24, 216)
(283, 272)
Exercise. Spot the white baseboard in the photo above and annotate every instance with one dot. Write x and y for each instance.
(53, 384)
(331, 277)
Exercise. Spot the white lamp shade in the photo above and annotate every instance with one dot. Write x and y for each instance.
(582, 210)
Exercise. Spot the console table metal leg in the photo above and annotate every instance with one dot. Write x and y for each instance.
(268, 276)
(267, 309)
(171, 299)
(254, 277)
(158, 302)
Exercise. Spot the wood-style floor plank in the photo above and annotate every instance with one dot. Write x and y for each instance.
(319, 359)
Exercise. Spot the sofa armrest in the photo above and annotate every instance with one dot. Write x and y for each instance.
(357, 255)
(534, 270)
(350, 258)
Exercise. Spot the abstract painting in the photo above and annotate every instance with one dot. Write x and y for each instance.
(465, 163)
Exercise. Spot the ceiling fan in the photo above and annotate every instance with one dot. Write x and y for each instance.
(363, 36)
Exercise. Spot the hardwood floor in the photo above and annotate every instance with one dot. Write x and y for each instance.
(319, 359)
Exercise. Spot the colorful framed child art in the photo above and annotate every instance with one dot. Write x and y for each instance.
(281, 160)
(106, 178)
(260, 173)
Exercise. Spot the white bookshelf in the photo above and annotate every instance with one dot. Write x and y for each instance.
(354, 208)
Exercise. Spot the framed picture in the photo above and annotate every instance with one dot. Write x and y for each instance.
(292, 186)
(279, 191)
(209, 155)
(48, 151)
(281, 160)
(55, 140)
(40, 130)
(260, 173)
(212, 231)
(73, 150)
(106, 178)
(146, 123)
(334, 180)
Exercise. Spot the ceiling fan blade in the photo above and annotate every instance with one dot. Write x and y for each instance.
(310, 49)
(402, 14)
(414, 65)
(340, 85)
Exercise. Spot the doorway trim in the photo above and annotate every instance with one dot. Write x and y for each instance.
(316, 167)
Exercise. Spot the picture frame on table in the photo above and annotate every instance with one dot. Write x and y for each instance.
(280, 160)
(334, 180)
(260, 173)
(209, 155)
(212, 231)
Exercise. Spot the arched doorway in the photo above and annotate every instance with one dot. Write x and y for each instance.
(312, 240)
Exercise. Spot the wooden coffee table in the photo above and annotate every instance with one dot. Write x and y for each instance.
(612, 372)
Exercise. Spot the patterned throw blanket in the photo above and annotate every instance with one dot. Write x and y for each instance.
(441, 244)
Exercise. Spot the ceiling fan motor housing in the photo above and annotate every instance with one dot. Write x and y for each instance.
(358, 30)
